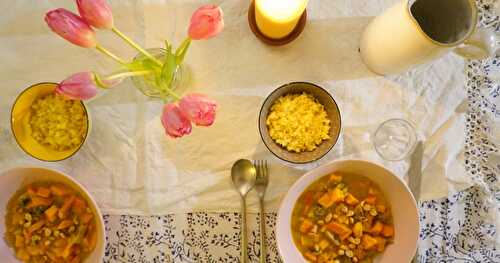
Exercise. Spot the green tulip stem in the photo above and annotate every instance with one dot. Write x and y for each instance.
(111, 55)
(173, 94)
(164, 87)
(128, 74)
(136, 46)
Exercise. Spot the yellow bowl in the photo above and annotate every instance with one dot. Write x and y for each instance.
(21, 129)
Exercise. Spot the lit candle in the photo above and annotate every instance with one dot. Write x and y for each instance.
(277, 18)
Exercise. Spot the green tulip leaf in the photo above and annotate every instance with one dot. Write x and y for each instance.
(167, 72)
(149, 64)
(143, 64)
(181, 51)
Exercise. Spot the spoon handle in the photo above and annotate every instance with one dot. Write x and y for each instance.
(243, 231)
(262, 232)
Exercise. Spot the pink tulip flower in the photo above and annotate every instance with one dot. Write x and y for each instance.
(71, 27)
(206, 22)
(198, 109)
(174, 121)
(80, 86)
(96, 13)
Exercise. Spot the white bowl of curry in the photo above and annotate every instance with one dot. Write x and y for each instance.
(48, 217)
(348, 211)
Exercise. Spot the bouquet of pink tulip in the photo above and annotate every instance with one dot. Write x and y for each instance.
(177, 116)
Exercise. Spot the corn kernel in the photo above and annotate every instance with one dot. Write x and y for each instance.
(298, 122)
(58, 123)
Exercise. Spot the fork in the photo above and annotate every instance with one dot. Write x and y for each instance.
(261, 186)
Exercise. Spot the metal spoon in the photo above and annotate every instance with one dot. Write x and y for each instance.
(243, 175)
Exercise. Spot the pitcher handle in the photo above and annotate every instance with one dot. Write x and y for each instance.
(481, 44)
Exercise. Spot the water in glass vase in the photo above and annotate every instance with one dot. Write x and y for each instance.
(151, 86)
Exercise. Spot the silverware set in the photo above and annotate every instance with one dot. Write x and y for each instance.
(246, 176)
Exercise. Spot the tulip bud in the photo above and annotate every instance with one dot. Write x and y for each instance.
(198, 109)
(174, 121)
(96, 13)
(206, 22)
(80, 86)
(71, 27)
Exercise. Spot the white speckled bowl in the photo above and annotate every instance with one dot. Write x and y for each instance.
(12, 180)
(403, 205)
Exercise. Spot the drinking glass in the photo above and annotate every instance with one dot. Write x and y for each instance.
(394, 139)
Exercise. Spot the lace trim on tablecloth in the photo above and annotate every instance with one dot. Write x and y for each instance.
(462, 227)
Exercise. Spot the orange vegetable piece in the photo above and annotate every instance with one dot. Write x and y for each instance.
(368, 242)
(380, 244)
(67, 251)
(308, 201)
(19, 241)
(86, 218)
(377, 228)
(17, 218)
(23, 255)
(59, 190)
(310, 256)
(26, 234)
(91, 239)
(61, 242)
(76, 259)
(323, 244)
(43, 192)
(351, 200)
(31, 191)
(335, 178)
(58, 251)
(381, 208)
(360, 253)
(306, 226)
(367, 225)
(78, 206)
(341, 230)
(326, 200)
(337, 195)
(388, 231)
(51, 213)
(51, 256)
(371, 199)
(66, 206)
(308, 198)
(39, 201)
(34, 251)
(36, 226)
(64, 224)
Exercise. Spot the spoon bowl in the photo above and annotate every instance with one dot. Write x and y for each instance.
(243, 175)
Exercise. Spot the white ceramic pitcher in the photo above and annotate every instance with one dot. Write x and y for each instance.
(413, 32)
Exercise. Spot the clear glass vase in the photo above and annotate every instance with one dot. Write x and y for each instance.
(147, 84)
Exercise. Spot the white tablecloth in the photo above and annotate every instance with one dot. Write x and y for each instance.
(131, 167)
